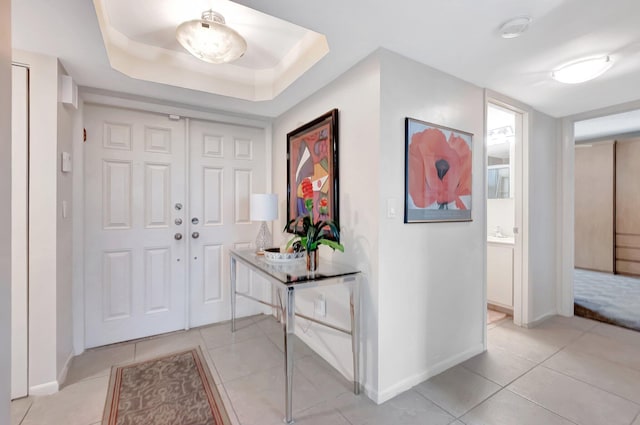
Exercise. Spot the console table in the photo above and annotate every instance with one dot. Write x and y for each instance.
(287, 278)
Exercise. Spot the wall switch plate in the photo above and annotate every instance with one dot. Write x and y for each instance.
(66, 162)
(391, 208)
(320, 306)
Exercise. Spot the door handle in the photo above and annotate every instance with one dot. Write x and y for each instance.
(195, 235)
(177, 236)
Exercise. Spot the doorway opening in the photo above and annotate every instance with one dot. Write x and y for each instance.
(505, 265)
(606, 273)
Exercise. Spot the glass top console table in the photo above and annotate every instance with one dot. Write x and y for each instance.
(287, 278)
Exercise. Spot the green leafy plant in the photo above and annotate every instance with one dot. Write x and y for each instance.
(313, 234)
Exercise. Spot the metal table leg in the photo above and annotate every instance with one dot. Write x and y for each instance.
(354, 302)
(233, 294)
(289, 328)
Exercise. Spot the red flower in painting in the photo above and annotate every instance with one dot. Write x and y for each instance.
(439, 170)
(307, 188)
(324, 203)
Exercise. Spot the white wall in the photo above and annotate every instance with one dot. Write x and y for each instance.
(501, 212)
(356, 95)
(543, 250)
(77, 219)
(50, 324)
(431, 274)
(64, 265)
(5, 209)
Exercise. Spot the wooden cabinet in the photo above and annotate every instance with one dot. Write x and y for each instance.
(628, 207)
(594, 206)
(607, 206)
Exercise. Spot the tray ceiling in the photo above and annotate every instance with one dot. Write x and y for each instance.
(140, 42)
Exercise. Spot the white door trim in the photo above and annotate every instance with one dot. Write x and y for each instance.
(145, 105)
(521, 292)
(20, 231)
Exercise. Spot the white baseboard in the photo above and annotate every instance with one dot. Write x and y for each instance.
(539, 320)
(414, 380)
(44, 389)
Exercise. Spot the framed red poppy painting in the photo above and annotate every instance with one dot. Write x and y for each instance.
(437, 173)
(312, 154)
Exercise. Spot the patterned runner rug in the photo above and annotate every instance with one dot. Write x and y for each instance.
(176, 389)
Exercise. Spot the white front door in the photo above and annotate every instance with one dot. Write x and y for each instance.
(227, 165)
(19, 230)
(134, 193)
(141, 190)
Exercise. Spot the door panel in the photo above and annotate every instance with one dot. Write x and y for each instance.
(227, 165)
(135, 268)
(135, 177)
(594, 211)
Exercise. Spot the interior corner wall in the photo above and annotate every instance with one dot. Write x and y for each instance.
(543, 187)
(43, 160)
(64, 231)
(432, 275)
(356, 94)
(5, 210)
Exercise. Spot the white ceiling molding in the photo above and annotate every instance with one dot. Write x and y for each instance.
(279, 52)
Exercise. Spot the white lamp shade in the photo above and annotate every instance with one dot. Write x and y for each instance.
(264, 206)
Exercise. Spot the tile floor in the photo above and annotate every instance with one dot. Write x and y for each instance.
(566, 371)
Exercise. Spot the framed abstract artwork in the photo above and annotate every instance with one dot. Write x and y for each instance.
(437, 173)
(312, 153)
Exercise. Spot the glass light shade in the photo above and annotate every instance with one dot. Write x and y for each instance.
(582, 70)
(210, 39)
(264, 206)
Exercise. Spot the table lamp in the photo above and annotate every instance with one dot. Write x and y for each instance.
(264, 207)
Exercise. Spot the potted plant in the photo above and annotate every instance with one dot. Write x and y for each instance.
(311, 234)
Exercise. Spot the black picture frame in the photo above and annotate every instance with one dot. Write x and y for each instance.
(438, 173)
(312, 151)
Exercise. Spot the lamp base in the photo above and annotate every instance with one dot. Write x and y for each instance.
(264, 239)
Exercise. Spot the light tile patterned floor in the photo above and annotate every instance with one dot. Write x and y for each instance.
(566, 371)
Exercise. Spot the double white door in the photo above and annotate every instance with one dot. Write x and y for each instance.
(164, 201)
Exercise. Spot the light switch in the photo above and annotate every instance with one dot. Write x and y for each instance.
(66, 162)
(391, 208)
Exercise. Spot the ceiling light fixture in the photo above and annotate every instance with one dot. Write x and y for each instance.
(515, 27)
(210, 39)
(582, 70)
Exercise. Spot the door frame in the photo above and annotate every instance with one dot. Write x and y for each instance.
(521, 290)
(118, 100)
(21, 314)
(566, 202)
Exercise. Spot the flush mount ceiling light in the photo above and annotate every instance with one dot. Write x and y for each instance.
(210, 39)
(515, 27)
(582, 70)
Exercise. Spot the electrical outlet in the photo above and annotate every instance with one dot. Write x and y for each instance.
(321, 306)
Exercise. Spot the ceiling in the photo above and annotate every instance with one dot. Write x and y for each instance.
(142, 44)
(459, 37)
